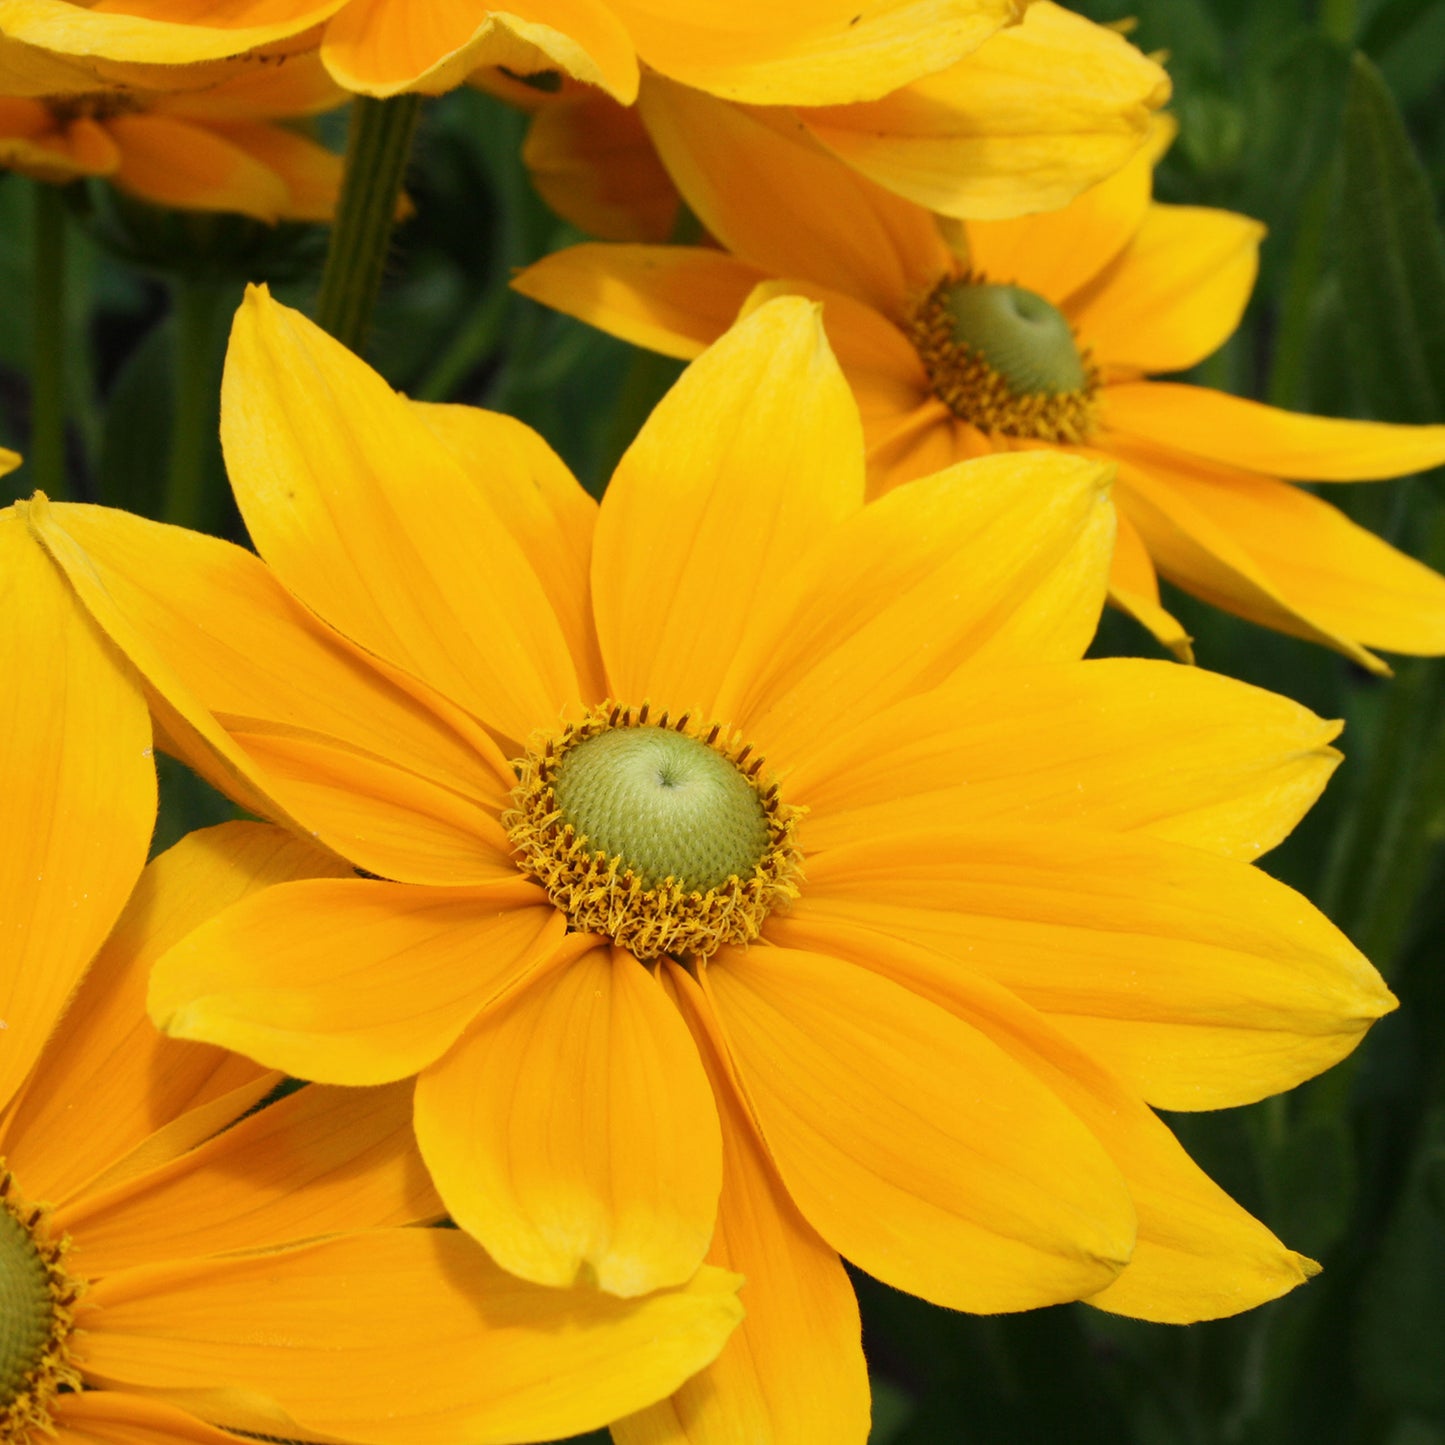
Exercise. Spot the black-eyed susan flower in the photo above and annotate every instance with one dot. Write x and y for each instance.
(750, 874)
(1044, 334)
(166, 1272)
(198, 141)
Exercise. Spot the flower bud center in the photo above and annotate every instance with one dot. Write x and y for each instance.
(1024, 338)
(26, 1308)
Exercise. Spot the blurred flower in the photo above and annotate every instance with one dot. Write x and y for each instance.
(163, 1288)
(1042, 332)
(216, 146)
(899, 992)
(1037, 113)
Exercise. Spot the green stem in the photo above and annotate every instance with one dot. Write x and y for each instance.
(377, 150)
(47, 335)
(193, 424)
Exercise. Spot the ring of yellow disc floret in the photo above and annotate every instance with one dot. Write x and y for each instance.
(975, 392)
(601, 894)
(29, 1409)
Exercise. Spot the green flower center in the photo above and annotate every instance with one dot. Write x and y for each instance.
(666, 804)
(1025, 339)
(26, 1308)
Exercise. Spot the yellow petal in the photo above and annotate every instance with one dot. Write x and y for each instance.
(310, 174)
(280, 712)
(321, 1161)
(380, 47)
(793, 1371)
(249, 90)
(1175, 294)
(1200, 981)
(1198, 1254)
(572, 1131)
(110, 1080)
(1134, 588)
(772, 196)
(79, 791)
(399, 1337)
(674, 299)
(8, 460)
(351, 981)
(371, 522)
(109, 1417)
(994, 561)
(1119, 744)
(754, 453)
(1259, 438)
(810, 52)
(1037, 113)
(911, 1143)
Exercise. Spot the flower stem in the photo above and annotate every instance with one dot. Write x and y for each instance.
(47, 336)
(376, 155)
(193, 423)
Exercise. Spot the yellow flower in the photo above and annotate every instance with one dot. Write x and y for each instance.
(210, 147)
(151, 1227)
(814, 52)
(947, 904)
(1080, 306)
(1037, 113)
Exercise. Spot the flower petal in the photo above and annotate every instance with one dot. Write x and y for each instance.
(79, 790)
(370, 521)
(811, 52)
(911, 1143)
(1175, 294)
(110, 1080)
(793, 1371)
(398, 1337)
(1200, 981)
(753, 453)
(351, 981)
(760, 184)
(1116, 744)
(1267, 439)
(1199, 1255)
(310, 173)
(1134, 588)
(1000, 560)
(280, 712)
(109, 1417)
(1038, 112)
(674, 299)
(572, 1131)
(320, 1161)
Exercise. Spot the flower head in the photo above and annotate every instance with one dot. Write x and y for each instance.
(1044, 333)
(754, 875)
(177, 1264)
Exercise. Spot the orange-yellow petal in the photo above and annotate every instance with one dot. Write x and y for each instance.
(674, 299)
(760, 184)
(1118, 744)
(752, 455)
(310, 174)
(398, 1337)
(110, 1081)
(572, 1131)
(111, 1417)
(79, 791)
(369, 519)
(1134, 588)
(995, 561)
(793, 1371)
(1198, 1254)
(320, 1161)
(1175, 294)
(1038, 112)
(1200, 981)
(1267, 439)
(351, 981)
(911, 1143)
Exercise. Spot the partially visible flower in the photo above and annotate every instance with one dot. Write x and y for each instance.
(1042, 334)
(1037, 113)
(753, 874)
(218, 146)
(176, 1267)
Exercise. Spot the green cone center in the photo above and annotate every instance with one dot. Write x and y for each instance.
(666, 804)
(25, 1307)
(1024, 338)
